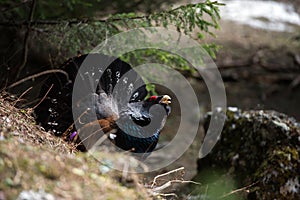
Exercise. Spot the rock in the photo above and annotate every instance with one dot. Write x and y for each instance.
(258, 149)
(41, 194)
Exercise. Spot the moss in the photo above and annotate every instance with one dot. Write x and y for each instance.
(260, 147)
(48, 171)
(35, 160)
(63, 176)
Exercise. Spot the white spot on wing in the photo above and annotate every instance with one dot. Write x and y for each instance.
(112, 136)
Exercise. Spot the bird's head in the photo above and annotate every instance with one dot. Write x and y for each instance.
(164, 100)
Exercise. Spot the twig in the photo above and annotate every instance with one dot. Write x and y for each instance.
(68, 22)
(156, 191)
(90, 124)
(84, 21)
(125, 171)
(169, 183)
(295, 82)
(165, 174)
(19, 98)
(206, 189)
(165, 195)
(37, 75)
(34, 107)
(98, 142)
(72, 125)
(15, 6)
(26, 39)
(238, 190)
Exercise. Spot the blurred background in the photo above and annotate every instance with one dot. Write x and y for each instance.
(255, 44)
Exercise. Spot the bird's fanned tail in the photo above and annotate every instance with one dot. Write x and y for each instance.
(110, 101)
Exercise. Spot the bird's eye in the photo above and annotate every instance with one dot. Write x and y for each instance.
(136, 95)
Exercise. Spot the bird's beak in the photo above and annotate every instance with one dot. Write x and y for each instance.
(165, 100)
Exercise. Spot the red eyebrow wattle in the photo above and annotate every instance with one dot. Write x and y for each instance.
(152, 98)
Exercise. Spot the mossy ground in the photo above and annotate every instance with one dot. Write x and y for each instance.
(32, 159)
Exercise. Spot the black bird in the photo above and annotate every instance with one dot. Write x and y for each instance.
(116, 94)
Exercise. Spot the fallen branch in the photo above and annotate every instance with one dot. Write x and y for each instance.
(157, 191)
(37, 75)
(165, 174)
(169, 183)
(34, 107)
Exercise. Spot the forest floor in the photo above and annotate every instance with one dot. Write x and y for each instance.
(37, 165)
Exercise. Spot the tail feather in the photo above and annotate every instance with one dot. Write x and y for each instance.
(118, 80)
